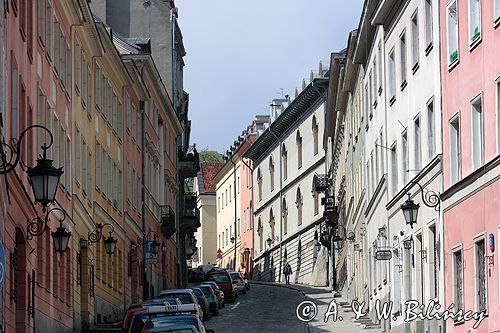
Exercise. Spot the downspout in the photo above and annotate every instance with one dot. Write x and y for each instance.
(251, 216)
(145, 291)
(235, 213)
(281, 201)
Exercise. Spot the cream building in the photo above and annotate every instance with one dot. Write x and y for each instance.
(286, 156)
(206, 235)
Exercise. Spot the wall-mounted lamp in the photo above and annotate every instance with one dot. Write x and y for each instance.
(408, 243)
(410, 209)
(109, 242)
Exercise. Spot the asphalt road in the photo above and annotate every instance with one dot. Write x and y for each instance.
(264, 309)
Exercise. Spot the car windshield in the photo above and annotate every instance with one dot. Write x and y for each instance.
(168, 321)
(198, 293)
(205, 290)
(219, 278)
(185, 298)
(235, 276)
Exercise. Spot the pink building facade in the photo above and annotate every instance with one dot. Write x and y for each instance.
(470, 202)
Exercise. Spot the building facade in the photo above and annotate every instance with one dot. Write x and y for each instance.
(285, 157)
(470, 87)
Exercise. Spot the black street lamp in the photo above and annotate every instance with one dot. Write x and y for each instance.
(410, 209)
(109, 242)
(408, 243)
(61, 238)
(154, 246)
(269, 241)
(38, 226)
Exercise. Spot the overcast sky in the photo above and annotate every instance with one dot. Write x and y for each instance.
(241, 52)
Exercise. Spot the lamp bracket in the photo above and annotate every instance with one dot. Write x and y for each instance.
(38, 225)
(431, 199)
(96, 235)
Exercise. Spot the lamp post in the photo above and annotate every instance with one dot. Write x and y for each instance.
(410, 209)
(109, 242)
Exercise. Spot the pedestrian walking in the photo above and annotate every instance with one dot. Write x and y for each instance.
(287, 271)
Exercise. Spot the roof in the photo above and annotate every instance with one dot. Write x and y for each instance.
(208, 170)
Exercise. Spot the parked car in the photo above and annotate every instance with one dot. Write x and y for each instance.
(247, 283)
(203, 302)
(169, 321)
(176, 329)
(195, 275)
(218, 292)
(238, 282)
(143, 307)
(211, 298)
(138, 318)
(224, 281)
(186, 296)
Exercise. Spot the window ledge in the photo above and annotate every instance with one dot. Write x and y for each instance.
(453, 65)
(475, 43)
(428, 49)
(415, 68)
(403, 85)
(371, 115)
(380, 90)
(496, 22)
(392, 100)
(375, 105)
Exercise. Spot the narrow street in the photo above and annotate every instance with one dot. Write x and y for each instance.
(262, 309)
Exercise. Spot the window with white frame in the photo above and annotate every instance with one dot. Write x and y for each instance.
(414, 41)
(480, 275)
(417, 143)
(452, 32)
(402, 56)
(458, 282)
(404, 144)
(370, 97)
(375, 84)
(380, 73)
(496, 11)
(381, 147)
(455, 150)
(477, 133)
(428, 23)
(392, 76)
(474, 21)
(431, 140)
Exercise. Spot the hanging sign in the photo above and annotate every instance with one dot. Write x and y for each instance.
(150, 257)
(383, 255)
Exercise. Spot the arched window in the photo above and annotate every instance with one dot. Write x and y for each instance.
(284, 156)
(299, 206)
(272, 224)
(259, 184)
(285, 217)
(260, 232)
(271, 172)
(316, 202)
(315, 134)
(299, 150)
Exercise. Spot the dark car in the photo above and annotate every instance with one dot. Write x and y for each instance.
(224, 281)
(143, 307)
(195, 275)
(167, 321)
(138, 320)
(218, 292)
(211, 297)
(202, 301)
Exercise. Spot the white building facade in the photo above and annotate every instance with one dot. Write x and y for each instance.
(286, 156)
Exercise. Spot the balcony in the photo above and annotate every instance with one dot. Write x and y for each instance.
(321, 183)
(331, 213)
(190, 220)
(167, 221)
(189, 162)
(190, 199)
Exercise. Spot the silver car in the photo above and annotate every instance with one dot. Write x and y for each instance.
(238, 282)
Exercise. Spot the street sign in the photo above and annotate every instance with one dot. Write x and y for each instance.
(219, 254)
(383, 255)
(150, 258)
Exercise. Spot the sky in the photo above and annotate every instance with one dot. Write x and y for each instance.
(242, 53)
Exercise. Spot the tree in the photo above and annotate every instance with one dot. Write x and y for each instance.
(210, 156)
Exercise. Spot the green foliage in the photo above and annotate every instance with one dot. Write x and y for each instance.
(210, 156)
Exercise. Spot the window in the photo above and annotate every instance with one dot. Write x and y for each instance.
(375, 82)
(41, 20)
(218, 204)
(496, 11)
(458, 279)
(428, 24)
(474, 21)
(285, 217)
(29, 31)
(272, 224)
(431, 140)
(316, 202)
(414, 42)
(299, 204)
(259, 183)
(392, 77)
(315, 134)
(480, 275)
(477, 133)
(404, 140)
(299, 150)
(381, 152)
(455, 150)
(452, 32)
(260, 233)
(14, 98)
(271, 172)
(433, 262)
(418, 146)
(48, 29)
(230, 193)
(284, 156)
(370, 94)
(380, 67)
(226, 196)
(402, 54)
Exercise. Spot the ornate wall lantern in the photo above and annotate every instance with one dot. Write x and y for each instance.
(109, 242)
(410, 209)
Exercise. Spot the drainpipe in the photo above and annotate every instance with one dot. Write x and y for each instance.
(235, 213)
(251, 215)
(145, 292)
(281, 200)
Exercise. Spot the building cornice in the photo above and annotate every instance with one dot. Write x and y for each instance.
(293, 114)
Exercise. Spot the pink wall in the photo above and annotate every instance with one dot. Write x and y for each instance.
(477, 214)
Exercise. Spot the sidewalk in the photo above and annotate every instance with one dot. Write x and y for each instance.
(322, 297)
